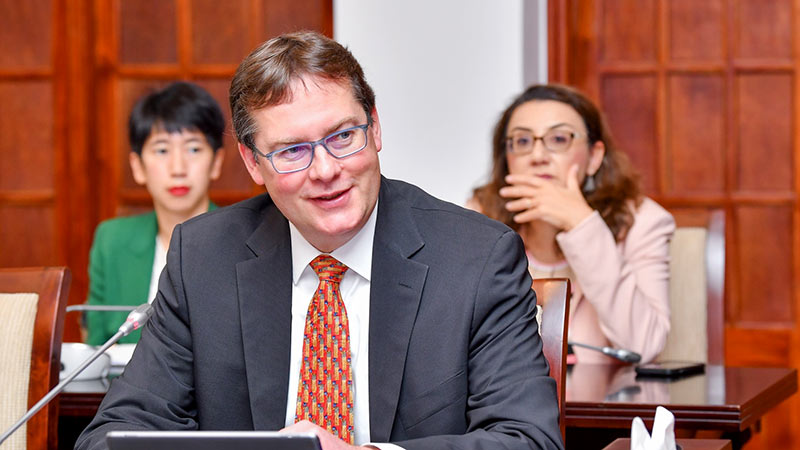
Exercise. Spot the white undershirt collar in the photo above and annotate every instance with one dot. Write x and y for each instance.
(356, 253)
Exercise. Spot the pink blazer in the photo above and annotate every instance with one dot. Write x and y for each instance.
(620, 290)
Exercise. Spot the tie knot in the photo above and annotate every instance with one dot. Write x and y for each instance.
(328, 268)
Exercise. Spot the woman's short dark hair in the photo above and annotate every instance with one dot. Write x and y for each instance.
(617, 183)
(265, 76)
(178, 107)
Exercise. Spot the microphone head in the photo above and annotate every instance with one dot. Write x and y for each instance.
(137, 318)
(616, 353)
(628, 356)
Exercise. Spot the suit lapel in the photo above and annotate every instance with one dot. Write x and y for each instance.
(265, 298)
(265, 292)
(395, 292)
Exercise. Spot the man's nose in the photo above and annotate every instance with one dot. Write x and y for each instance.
(324, 166)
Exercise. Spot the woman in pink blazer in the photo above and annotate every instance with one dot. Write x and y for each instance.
(559, 180)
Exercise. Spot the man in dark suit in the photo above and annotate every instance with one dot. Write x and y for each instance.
(433, 316)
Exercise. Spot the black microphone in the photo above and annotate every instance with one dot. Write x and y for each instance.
(616, 353)
(136, 319)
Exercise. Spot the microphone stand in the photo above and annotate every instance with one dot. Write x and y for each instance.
(616, 353)
(136, 319)
(85, 307)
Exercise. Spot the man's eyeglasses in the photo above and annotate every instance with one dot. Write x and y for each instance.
(555, 140)
(340, 144)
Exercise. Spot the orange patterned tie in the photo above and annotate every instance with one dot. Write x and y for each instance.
(325, 395)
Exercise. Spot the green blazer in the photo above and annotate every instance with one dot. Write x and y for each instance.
(120, 265)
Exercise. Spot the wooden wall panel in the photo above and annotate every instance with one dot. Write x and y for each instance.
(31, 153)
(775, 348)
(691, 22)
(26, 127)
(625, 40)
(765, 265)
(723, 98)
(690, 216)
(148, 31)
(219, 31)
(234, 176)
(29, 236)
(70, 70)
(281, 16)
(776, 345)
(25, 45)
(210, 39)
(777, 426)
(630, 111)
(763, 29)
(765, 139)
(695, 144)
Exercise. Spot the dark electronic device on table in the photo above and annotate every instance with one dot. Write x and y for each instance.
(670, 369)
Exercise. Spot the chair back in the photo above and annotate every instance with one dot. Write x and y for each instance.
(32, 306)
(697, 283)
(554, 293)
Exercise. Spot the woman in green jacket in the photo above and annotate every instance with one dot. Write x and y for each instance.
(176, 140)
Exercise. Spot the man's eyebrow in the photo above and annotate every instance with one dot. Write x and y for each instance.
(285, 142)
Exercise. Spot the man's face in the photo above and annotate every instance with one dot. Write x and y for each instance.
(177, 169)
(331, 200)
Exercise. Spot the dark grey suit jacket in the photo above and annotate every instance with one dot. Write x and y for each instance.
(455, 358)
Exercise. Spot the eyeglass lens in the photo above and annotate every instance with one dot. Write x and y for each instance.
(340, 144)
(556, 140)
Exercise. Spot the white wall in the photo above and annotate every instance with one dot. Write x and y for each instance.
(442, 71)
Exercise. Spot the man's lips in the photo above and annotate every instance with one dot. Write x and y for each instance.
(330, 199)
(179, 191)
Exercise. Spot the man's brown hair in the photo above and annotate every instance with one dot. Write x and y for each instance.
(265, 76)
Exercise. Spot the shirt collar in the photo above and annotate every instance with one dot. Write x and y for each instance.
(356, 253)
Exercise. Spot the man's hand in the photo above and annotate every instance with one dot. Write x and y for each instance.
(535, 198)
(326, 439)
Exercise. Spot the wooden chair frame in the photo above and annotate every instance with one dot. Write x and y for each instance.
(555, 293)
(52, 285)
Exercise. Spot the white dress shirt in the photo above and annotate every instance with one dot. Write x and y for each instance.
(159, 261)
(356, 254)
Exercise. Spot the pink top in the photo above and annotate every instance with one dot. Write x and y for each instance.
(620, 291)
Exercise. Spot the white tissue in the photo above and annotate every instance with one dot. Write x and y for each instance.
(663, 437)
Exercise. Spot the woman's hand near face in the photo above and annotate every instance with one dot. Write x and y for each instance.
(534, 198)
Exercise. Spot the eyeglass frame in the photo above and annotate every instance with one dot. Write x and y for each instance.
(314, 145)
(572, 136)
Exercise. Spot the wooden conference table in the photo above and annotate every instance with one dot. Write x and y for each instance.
(685, 444)
(604, 397)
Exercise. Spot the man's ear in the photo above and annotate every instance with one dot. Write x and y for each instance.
(137, 168)
(216, 164)
(250, 163)
(596, 154)
(376, 129)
